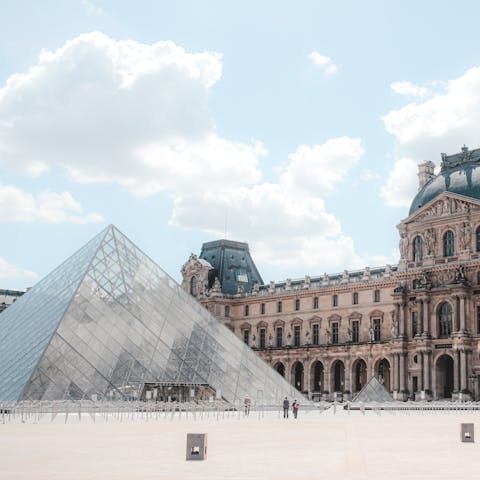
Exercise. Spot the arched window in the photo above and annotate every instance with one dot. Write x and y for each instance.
(417, 249)
(478, 239)
(193, 286)
(355, 298)
(445, 320)
(335, 300)
(448, 244)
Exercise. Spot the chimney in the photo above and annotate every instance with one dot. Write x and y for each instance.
(425, 173)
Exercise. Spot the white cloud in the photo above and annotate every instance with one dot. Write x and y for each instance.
(324, 62)
(121, 111)
(92, 9)
(368, 175)
(318, 168)
(17, 205)
(410, 89)
(286, 223)
(138, 115)
(10, 271)
(423, 130)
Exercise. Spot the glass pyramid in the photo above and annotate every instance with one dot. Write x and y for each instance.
(108, 321)
(373, 391)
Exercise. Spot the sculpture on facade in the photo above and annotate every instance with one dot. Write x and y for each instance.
(465, 236)
(404, 245)
(430, 240)
(371, 333)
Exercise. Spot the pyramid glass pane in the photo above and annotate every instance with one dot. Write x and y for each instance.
(28, 326)
(124, 324)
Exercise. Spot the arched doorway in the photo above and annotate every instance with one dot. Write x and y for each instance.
(317, 377)
(280, 368)
(359, 375)
(338, 376)
(383, 373)
(298, 375)
(444, 374)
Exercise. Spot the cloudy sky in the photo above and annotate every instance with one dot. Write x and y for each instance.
(295, 126)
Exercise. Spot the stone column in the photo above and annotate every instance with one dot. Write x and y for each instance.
(463, 370)
(421, 321)
(288, 372)
(426, 316)
(395, 372)
(307, 372)
(327, 379)
(426, 371)
(420, 374)
(348, 377)
(456, 369)
(462, 313)
(398, 309)
(401, 359)
(401, 323)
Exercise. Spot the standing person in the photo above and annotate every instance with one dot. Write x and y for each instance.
(295, 407)
(247, 402)
(286, 406)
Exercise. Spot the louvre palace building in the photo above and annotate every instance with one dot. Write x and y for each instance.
(414, 326)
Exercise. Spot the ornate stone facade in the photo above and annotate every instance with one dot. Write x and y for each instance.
(415, 326)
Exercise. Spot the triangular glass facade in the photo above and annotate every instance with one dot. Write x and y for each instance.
(108, 321)
(373, 391)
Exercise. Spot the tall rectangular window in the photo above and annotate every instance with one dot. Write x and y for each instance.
(355, 331)
(376, 296)
(478, 318)
(414, 323)
(315, 302)
(297, 304)
(376, 330)
(227, 311)
(246, 336)
(262, 338)
(296, 335)
(335, 333)
(247, 310)
(279, 307)
(315, 334)
(262, 309)
(335, 300)
(355, 298)
(279, 333)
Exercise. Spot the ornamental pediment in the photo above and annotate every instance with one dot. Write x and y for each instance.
(444, 205)
(194, 265)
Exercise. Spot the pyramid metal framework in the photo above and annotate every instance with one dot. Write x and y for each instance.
(373, 391)
(107, 321)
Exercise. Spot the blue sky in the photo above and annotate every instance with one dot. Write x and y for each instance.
(295, 125)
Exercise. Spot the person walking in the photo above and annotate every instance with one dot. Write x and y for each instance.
(286, 407)
(247, 404)
(295, 407)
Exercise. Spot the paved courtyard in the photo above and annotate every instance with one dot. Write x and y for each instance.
(316, 446)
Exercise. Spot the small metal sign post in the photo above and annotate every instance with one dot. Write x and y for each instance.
(196, 446)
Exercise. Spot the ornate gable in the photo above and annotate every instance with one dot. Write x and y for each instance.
(446, 204)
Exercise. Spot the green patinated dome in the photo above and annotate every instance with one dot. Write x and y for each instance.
(460, 173)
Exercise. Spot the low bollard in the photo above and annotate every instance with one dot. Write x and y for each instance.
(467, 432)
(196, 446)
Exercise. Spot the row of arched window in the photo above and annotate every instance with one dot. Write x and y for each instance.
(448, 245)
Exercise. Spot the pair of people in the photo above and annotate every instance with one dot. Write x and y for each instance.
(286, 408)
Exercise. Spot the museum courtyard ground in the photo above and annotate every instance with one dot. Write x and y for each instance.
(328, 445)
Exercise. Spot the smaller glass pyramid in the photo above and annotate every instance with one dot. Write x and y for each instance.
(373, 391)
(108, 321)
